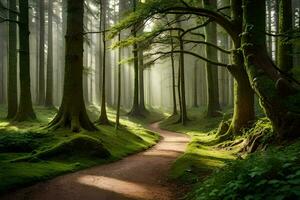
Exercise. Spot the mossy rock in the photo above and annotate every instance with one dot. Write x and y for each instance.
(77, 145)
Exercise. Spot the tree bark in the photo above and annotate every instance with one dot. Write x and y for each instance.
(135, 110)
(25, 110)
(103, 115)
(213, 107)
(41, 83)
(285, 51)
(12, 89)
(49, 87)
(72, 112)
(175, 112)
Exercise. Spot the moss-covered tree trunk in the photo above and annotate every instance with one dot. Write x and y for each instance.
(285, 47)
(103, 114)
(49, 86)
(213, 107)
(25, 110)
(276, 93)
(244, 112)
(72, 112)
(12, 89)
(41, 71)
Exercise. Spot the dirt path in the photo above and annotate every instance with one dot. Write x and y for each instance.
(142, 176)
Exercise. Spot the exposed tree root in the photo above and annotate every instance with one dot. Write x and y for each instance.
(72, 120)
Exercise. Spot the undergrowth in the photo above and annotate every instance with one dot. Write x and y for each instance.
(272, 174)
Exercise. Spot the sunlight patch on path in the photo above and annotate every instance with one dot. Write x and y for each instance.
(125, 188)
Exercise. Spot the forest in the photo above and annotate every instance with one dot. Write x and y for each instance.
(149, 99)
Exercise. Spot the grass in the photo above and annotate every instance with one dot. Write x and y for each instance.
(213, 171)
(201, 156)
(29, 153)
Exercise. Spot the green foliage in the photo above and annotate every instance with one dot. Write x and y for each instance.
(273, 174)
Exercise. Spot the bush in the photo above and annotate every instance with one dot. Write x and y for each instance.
(273, 174)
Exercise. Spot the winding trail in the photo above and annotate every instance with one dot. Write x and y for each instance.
(142, 176)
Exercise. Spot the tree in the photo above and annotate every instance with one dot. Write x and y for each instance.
(285, 51)
(135, 110)
(12, 89)
(213, 107)
(103, 115)
(275, 90)
(49, 86)
(72, 112)
(175, 112)
(25, 110)
(41, 82)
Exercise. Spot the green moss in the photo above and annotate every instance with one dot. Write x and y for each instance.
(48, 154)
(202, 156)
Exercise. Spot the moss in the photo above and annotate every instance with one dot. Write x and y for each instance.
(48, 154)
(202, 156)
(79, 145)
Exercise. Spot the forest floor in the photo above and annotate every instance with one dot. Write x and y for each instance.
(140, 176)
(29, 153)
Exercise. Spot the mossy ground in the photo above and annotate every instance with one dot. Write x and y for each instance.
(202, 155)
(217, 171)
(31, 140)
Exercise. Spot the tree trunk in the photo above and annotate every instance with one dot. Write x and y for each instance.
(142, 106)
(119, 86)
(25, 110)
(135, 111)
(276, 93)
(103, 115)
(41, 83)
(49, 87)
(213, 107)
(183, 116)
(285, 52)
(12, 89)
(175, 112)
(72, 112)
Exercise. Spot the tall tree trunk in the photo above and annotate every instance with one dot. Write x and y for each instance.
(119, 86)
(25, 110)
(213, 107)
(72, 112)
(285, 53)
(275, 91)
(12, 89)
(183, 116)
(49, 87)
(195, 94)
(175, 112)
(142, 106)
(244, 112)
(135, 111)
(103, 115)
(41, 85)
